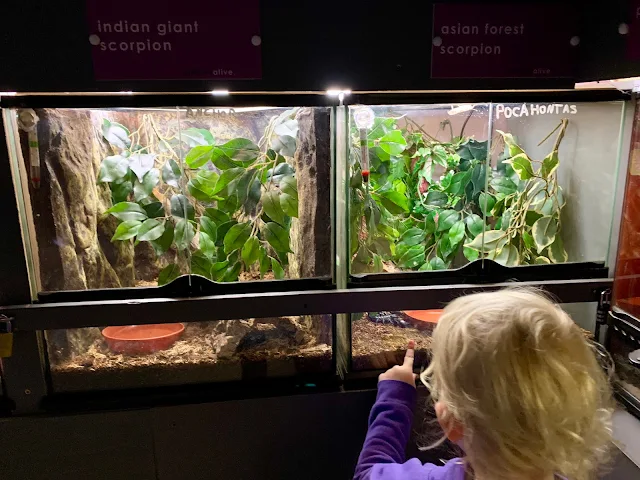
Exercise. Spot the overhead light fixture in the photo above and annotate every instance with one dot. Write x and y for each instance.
(126, 92)
(465, 107)
(334, 92)
(364, 117)
(220, 93)
(8, 94)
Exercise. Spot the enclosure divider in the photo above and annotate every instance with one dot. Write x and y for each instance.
(53, 316)
(624, 152)
(343, 321)
(487, 172)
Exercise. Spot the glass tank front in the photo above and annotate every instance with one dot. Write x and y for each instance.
(185, 353)
(137, 197)
(434, 187)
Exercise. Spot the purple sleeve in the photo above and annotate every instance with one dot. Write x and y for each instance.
(383, 452)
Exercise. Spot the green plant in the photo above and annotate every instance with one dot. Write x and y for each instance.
(526, 204)
(215, 208)
(432, 204)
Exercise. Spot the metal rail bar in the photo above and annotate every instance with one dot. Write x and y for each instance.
(274, 304)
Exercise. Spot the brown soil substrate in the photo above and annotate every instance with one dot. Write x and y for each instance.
(207, 352)
(377, 346)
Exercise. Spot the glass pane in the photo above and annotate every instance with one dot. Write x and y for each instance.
(552, 182)
(380, 339)
(260, 182)
(137, 197)
(92, 185)
(176, 354)
(417, 181)
(626, 289)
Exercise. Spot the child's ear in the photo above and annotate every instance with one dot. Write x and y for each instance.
(450, 426)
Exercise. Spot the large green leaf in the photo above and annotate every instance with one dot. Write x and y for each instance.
(508, 256)
(393, 142)
(154, 209)
(436, 199)
(278, 271)
(544, 232)
(151, 229)
(475, 224)
(121, 189)
(478, 178)
(199, 156)
(143, 189)
(162, 244)
(289, 205)
(116, 134)
(289, 185)
(203, 185)
(251, 251)
(265, 262)
(271, 206)
(528, 240)
(218, 216)
(280, 172)
(168, 274)
(171, 173)
(113, 168)
(127, 211)
(549, 164)
(277, 237)
(522, 166)
(556, 251)
(542, 261)
(413, 236)
(470, 254)
(239, 152)
(503, 185)
(228, 178)
(493, 240)
(201, 264)
(236, 237)
(436, 263)
(126, 230)
(209, 227)
(456, 233)
(284, 145)
(183, 234)
(447, 219)
(232, 273)
(394, 201)
(206, 244)
(141, 163)
(219, 269)
(223, 229)
(486, 203)
(413, 257)
(459, 182)
(182, 208)
(196, 136)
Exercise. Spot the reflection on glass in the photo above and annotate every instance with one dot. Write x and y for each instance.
(138, 197)
(173, 354)
(379, 339)
(417, 184)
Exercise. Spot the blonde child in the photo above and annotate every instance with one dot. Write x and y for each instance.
(516, 385)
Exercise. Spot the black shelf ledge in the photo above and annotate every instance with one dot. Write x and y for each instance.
(34, 317)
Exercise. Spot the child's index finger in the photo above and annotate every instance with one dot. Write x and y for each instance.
(408, 357)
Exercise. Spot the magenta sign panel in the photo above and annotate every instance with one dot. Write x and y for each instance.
(503, 41)
(173, 40)
(633, 37)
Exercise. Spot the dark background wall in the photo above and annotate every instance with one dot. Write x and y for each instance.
(360, 44)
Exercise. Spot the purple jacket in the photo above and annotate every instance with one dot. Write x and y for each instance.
(383, 453)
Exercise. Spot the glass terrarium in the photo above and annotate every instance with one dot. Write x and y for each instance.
(471, 193)
(144, 203)
(436, 187)
(120, 198)
(128, 357)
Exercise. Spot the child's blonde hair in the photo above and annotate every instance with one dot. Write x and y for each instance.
(521, 379)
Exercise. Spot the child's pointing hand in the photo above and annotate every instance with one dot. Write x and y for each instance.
(402, 373)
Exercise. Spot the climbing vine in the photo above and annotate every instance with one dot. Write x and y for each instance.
(226, 207)
(433, 205)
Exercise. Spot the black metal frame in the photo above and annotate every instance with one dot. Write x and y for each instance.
(621, 323)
